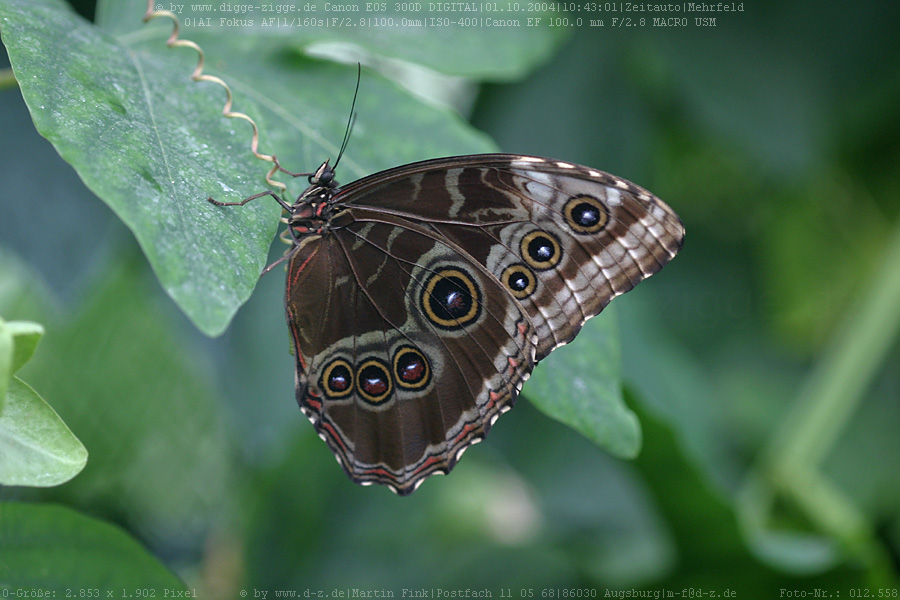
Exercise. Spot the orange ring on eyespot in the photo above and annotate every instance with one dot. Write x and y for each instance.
(443, 291)
(515, 285)
(409, 375)
(373, 381)
(337, 379)
(533, 247)
(580, 217)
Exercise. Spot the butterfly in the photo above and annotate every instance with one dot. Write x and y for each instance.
(420, 298)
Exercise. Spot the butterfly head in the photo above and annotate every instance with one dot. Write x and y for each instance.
(323, 176)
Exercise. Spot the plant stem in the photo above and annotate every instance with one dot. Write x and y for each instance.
(7, 79)
(789, 464)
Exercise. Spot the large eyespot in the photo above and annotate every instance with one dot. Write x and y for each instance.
(374, 381)
(337, 379)
(540, 250)
(519, 280)
(450, 299)
(586, 214)
(411, 368)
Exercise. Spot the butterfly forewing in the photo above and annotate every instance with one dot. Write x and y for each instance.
(562, 239)
(422, 305)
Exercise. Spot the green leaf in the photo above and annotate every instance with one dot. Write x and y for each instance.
(23, 293)
(18, 340)
(55, 549)
(128, 375)
(580, 386)
(144, 402)
(26, 336)
(36, 447)
(153, 144)
(6, 360)
(479, 51)
(117, 119)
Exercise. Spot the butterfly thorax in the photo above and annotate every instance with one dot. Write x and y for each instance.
(312, 212)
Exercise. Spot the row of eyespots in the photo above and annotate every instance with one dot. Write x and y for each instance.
(541, 251)
(373, 380)
(450, 297)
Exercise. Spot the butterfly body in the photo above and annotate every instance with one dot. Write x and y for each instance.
(420, 298)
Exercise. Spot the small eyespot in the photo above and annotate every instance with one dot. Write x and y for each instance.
(411, 368)
(586, 214)
(337, 379)
(540, 250)
(519, 280)
(373, 381)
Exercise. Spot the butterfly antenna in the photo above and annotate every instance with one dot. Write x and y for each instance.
(352, 118)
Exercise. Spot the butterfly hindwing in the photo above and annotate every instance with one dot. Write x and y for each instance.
(404, 350)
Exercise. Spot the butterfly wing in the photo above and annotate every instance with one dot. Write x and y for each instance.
(421, 311)
(406, 352)
(562, 239)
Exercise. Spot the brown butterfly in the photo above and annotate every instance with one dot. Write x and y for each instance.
(420, 298)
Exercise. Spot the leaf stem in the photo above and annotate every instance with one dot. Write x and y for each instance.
(789, 463)
(7, 79)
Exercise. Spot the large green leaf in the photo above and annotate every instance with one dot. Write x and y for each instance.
(120, 119)
(580, 385)
(467, 44)
(153, 144)
(36, 447)
(55, 550)
(6, 360)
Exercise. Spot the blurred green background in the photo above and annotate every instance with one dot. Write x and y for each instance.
(762, 363)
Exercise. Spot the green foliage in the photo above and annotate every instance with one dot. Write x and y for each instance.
(124, 398)
(6, 360)
(166, 147)
(36, 447)
(55, 550)
(581, 387)
(25, 337)
(506, 53)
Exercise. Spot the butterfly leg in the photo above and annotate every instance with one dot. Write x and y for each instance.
(288, 236)
(291, 173)
(278, 199)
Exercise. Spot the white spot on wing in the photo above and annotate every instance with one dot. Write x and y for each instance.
(523, 162)
(458, 200)
(613, 197)
(653, 226)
